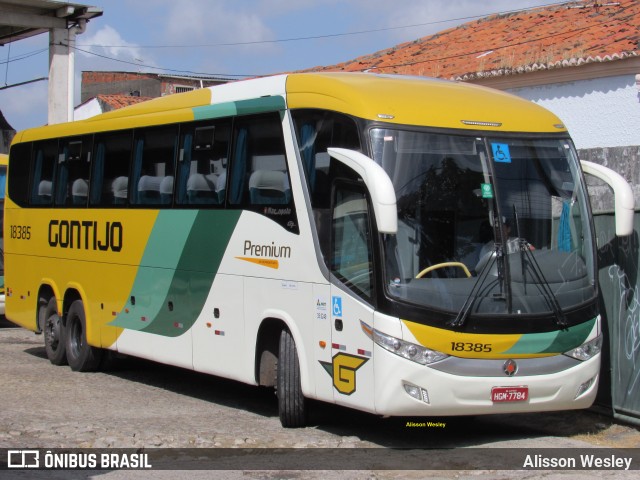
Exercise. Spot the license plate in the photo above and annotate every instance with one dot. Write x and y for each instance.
(509, 394)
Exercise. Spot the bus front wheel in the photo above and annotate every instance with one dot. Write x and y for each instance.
(291, 401)
(54, 331)
(81, 356)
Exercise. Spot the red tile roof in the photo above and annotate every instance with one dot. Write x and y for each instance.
(558, 36)
(119, 101)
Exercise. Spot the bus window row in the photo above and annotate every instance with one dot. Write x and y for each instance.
(238, 161)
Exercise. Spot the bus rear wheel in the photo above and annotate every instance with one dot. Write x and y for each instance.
(54, 331)
(291, 402)
(81, 356)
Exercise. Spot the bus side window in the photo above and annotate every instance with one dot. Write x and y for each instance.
(110, 169)
(318, 130)
(44, 164)
(259, 173)
(351, 249)
(202, 163)
(20, 163)
(153, 166)
(72, 186)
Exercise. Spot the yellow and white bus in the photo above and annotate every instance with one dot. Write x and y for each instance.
(398, 245)
(4, 161)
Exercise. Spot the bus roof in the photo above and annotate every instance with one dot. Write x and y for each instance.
(386, 98)
(420, 101)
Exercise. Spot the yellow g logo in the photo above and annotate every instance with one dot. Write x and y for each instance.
(343, 371)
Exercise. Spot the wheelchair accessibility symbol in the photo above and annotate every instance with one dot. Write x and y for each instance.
(501, 152)
(336, 306)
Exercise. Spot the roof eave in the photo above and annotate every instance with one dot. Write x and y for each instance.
(573, 69)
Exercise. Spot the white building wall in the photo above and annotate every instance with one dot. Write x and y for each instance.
(599, 113)
(88, 109)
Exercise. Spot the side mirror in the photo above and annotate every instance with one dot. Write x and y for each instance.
(378, 183)
(624, 203)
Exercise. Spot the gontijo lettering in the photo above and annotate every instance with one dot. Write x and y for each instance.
(86, 235)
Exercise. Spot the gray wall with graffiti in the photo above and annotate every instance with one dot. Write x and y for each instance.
(619, 271)
(619, 274)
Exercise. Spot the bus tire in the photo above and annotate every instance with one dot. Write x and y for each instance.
(291, 401)
(54, 331)
(81, 356)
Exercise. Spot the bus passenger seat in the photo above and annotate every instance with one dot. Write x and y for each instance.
(119, 188)
(44, 192)
(269, 187)
(149, 190)
(79, 191)
(221, 186)
(166, 190)
(201, 189)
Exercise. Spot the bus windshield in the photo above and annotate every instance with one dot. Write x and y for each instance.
(486, 225)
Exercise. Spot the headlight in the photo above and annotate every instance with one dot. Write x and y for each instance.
(587, 350)
(408, 350)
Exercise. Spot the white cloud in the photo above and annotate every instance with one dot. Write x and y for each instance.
(25, 106)
(112, 46)
(274, 8)
(188, 22)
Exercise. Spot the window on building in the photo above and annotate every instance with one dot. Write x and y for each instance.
(183, 88)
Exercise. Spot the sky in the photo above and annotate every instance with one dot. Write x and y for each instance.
(228, 38)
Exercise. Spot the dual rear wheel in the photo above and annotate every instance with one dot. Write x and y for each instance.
(66, 342)
(65, 339)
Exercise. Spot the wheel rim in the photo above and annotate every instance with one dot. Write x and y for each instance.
(53, 330)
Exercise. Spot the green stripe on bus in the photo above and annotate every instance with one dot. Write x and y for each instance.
(553, 342)
(261, 105)
(241, 107)
(183, 254)
(201, 257)
(157, 266)
(572, 337)
(215, 111)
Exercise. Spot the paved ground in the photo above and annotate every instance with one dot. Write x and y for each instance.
(145, 405)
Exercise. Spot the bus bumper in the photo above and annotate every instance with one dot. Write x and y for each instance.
(435, 393)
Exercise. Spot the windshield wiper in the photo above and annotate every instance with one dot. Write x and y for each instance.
(527, 258)
(541, 282)
(463, 314)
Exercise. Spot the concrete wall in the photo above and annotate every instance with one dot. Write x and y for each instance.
(599, 113)
(625, 161)
(87, 110)
(147, 85)
(108, 83)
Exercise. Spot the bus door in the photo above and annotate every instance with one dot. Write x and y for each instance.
(351, 263)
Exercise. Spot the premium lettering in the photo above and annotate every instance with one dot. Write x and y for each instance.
(273, 250)
(86, 235)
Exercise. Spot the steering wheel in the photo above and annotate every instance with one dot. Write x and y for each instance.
(444, 265)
